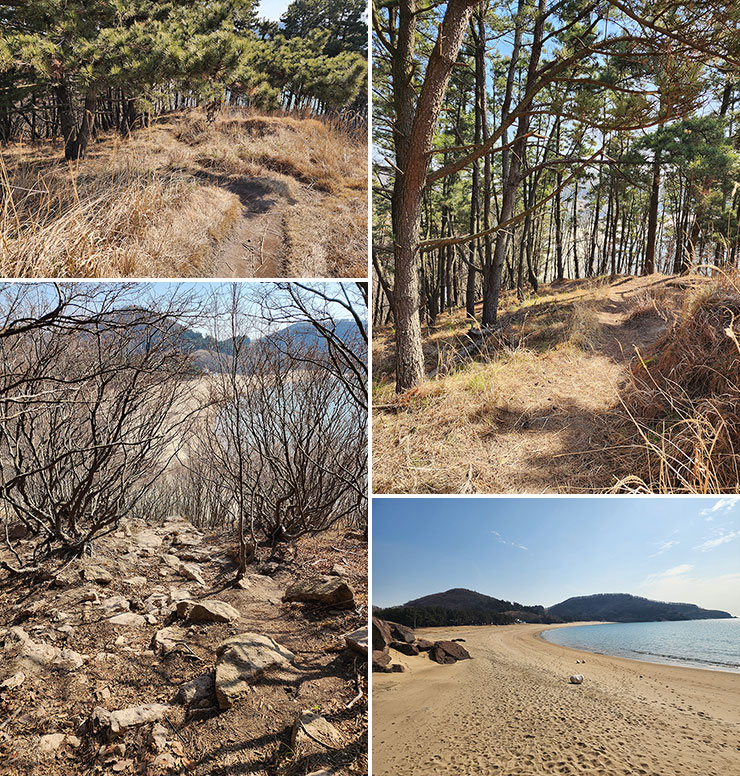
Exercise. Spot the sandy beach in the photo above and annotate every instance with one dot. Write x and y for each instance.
(511, 711)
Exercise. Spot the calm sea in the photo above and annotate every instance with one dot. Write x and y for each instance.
(713, 644)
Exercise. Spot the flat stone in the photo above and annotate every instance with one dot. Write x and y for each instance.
(97, 574)
(148, 540)
(16, 680)
(307, 728)
(357, 641)
(136, 715)
(166, 640)
(209, 610)
(51, 742)
(331, 591)
(114, 604)
(242, 659)
(136, 581)
(189, 571)
(128, 618)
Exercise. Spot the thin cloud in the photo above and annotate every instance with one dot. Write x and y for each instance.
(664, 547)
(501, 540)
(721, 505)
(710, 544)
(676, 571)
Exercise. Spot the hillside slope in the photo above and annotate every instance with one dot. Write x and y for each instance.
(248, 195)
(623, 607)
(540, 409)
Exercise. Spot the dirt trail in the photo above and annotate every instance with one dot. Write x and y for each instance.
(142, 571)
(536, 420)
(255, 247)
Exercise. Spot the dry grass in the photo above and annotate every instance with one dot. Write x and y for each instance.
(684, 401)
(158, 204)
(503, 420)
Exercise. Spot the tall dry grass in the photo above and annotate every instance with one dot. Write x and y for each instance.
(683, 400)
(158, 203)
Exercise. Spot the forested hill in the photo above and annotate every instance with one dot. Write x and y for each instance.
(462, 607)
(459, 606)
(622, 607)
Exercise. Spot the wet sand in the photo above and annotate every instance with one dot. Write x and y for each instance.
(511, 711)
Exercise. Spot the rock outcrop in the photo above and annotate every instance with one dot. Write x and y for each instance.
(331, 591)
(243, 659)
(209, 610)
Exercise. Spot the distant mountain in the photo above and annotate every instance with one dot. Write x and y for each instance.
(460, 606)
(623, 607)
(205, 347)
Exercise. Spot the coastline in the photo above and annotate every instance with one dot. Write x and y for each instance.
(511, 710)
(667, 662)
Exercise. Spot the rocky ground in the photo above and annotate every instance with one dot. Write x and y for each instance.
(146, 659)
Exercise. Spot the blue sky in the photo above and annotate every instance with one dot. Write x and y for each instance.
(273, 9)
(542, 551)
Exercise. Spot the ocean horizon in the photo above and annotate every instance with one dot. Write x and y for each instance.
(709, 644)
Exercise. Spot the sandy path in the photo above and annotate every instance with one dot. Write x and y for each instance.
(511, 711)
(255, 247)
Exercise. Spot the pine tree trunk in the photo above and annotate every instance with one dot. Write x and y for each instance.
(77, 146)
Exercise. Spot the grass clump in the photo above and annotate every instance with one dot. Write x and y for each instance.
(684, 400)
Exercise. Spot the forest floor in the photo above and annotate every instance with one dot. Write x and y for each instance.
(539, 411)
(248, 195)
(72, 658)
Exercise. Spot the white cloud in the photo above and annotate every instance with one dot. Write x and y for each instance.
(721, 505)
(720, 592)
(501, 540)
(664, 547)
(676, 571)
(710, 544)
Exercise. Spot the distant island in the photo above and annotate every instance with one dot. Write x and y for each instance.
(460, 606)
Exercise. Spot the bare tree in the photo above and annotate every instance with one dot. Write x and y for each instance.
(91, 384)
(285, 427)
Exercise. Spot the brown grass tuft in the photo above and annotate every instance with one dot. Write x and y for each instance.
(684, 401)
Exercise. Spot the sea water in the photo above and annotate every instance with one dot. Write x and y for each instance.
(713, 644)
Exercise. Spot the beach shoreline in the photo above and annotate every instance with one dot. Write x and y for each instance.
(511, 710)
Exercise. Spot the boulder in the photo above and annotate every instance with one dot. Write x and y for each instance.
(576, 679)
(209, 610)
(445, 652)
(381, 659)
(189, 571)
(115, 604)
(357, 641)
(243, 659)
(330, 591)
(404, 647)
(424, 645)
(97, 574)
(166, 640)
(381, 633)
(312, 733)
(148, 540)
(397, 668)
(33, 655)
(128, 618)
(401, 632)
(197, 690)
(135, 716)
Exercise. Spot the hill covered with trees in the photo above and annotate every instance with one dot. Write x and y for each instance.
(460, 606)
(622, 607)
(72, 69)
